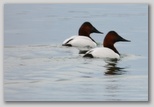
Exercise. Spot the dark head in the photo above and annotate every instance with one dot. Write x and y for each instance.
(111, 38)
(87, 28)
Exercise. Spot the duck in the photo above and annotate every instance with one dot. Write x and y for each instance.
(108, 50)
(83, 41)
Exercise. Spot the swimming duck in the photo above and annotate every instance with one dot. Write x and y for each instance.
(108, 51)
(83, 41)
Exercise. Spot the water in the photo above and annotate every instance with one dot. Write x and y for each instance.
(38, 68)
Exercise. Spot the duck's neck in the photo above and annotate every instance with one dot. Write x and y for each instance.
(112, 47)
(85, 33)
(92, 39)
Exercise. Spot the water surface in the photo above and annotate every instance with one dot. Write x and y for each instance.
(38, 68)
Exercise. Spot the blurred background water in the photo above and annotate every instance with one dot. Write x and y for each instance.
(38, 68)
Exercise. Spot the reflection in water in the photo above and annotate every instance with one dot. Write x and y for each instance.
(112, 69)
(113, 86)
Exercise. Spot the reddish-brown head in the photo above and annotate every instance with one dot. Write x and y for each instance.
(111, 38)
(87, 28)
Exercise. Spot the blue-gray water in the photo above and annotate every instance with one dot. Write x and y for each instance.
(38, 68)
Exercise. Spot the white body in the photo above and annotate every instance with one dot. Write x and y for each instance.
(103, 52)
(81, 42)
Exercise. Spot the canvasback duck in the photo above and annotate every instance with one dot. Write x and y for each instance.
(108, 51)
(83, 41)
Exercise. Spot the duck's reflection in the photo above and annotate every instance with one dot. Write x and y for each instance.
(112, 68)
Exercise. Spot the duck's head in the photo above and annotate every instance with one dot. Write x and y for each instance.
(87, 28)
(113, 37)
